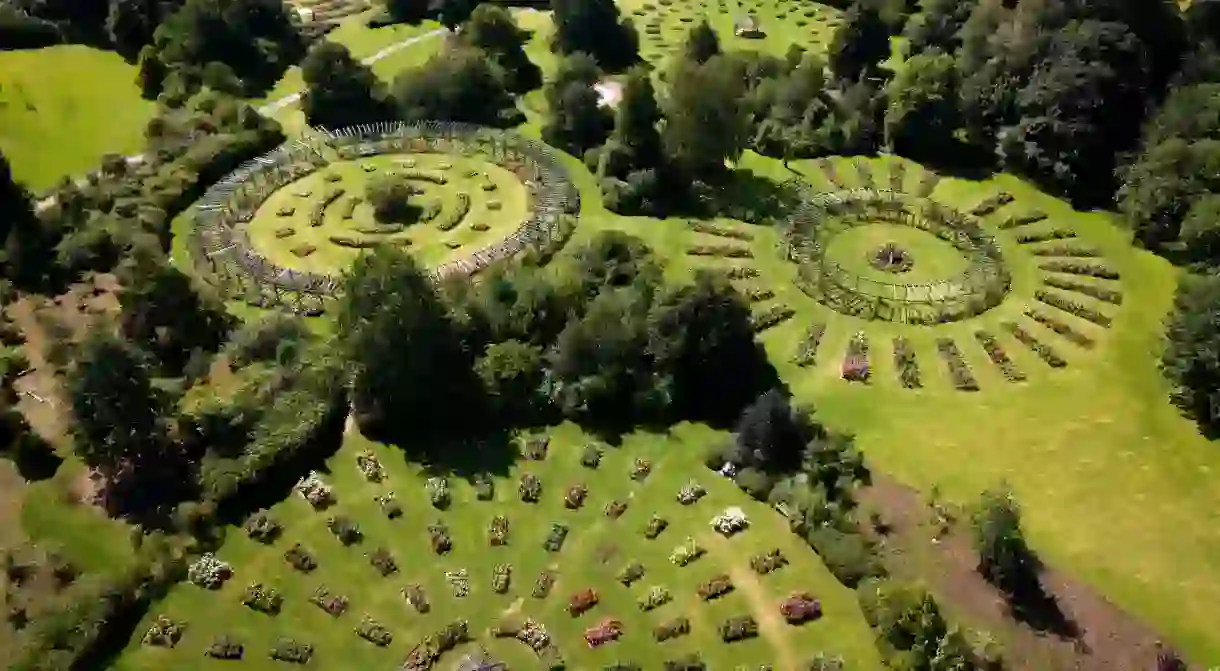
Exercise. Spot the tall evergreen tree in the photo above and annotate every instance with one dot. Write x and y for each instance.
(860, 44)
(339, 90)
(701, 43)
(705, 124)
(576, 121)
(26, 252)
(595, 27)
(922, 114)
(492, 29)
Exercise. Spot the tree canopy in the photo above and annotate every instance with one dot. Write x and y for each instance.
(492, 29)
(339, 90)
(457, 84)
(596, 28)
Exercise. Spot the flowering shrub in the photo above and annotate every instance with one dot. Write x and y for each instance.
(959, 370)
(389, 505)
(164, 632)
(497, 533)
(300, 559)
(459, 582)
(262, 527)
(484, 487)
(631, 573)
(730, 521)
(686, 553)
(383, 562)
(332, 604)
(417, 597)
(262, 599)
(316, 492)
(209, 572)
(691, 493)
(439, 536)
(501, 578)
(800, 608)
(656, 597)
(855, 362)
(344, 529)
(368, 464)
(574, 497)
(606, 631)
(554, 540)
(671, 629)
(581, 602)
(530, 488)
(615, 509)
(536, 448)
(766, 563)
(591, 457)
(999, 357)
(543, 585)
(715, 588)
(438, 492)
(640, 469)
(655, 526)
(289, 650)
(226, 648)
(1044, 351)
(374, 632)
(738, 629)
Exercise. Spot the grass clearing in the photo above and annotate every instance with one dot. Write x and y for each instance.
(596, 549)
(62, 108)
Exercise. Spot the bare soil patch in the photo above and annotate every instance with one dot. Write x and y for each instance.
(1092, 634)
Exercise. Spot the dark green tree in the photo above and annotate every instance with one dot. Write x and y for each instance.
(771, 435)
(457, 84)
(512, 373)
(701, 43)
(576, 122)
(704, 121)
(1191, 360)
(596, 28)
(340, 90)
(453, 13)
(26, 246)
(635, 143)
(492, 29)
(409, 372)
(923, 115)
(390, 198)
(936, 25)
(407, 11)
(1005, 558)
(860, 44)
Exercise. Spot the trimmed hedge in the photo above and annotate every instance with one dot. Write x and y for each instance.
(1091, 290)
(1044, 351)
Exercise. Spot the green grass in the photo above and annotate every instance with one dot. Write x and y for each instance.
(428, 243)
(62, 108)
(934, 259)
(594, 552)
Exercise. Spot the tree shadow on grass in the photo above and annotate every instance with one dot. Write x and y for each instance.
(1030, 603)
(490, 452)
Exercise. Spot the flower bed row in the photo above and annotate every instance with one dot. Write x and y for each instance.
(992, 204)
(855, 361)
(741, 273)
(437, 178)
(1075, 268)
(1035, 237)
(1071, 335)
(758, 295)
(533, 635)
(455, 216)
(1018, 220)
(720, 231)
(904, 361)
(1091, 290)
(1068, 250)
(807, 351)
(959, 370)
(319, 208)
(425, 655)
(1044, 351)
(999, 357)
(721, 251)
(771, 317)
(1073, 307)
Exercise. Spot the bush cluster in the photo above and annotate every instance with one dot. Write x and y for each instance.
(807, 351)
(1073, 307)
(959, 370)
(772, 316)
(1044, 351)
(905, 363)
(999, 357)
(1058, 326)
(1076, 268)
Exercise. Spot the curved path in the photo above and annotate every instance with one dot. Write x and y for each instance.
(275, 106)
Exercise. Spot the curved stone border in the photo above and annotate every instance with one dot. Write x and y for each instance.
(222, 254)
(819, 217)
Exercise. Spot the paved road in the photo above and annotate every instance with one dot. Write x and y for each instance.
(278, 104)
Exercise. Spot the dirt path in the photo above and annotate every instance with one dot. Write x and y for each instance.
(1079, 630)
(770, 624)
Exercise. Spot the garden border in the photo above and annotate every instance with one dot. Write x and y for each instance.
(220, 251)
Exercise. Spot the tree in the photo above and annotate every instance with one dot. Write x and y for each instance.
(704, 122)
(701, 43)
(407, 11)
(635, 143)
(410, 375)
(771, 436)
(26, 247)
(117, 424)
(922, 115)
(457, 84)
(577, 121)
(1200, 232)
(936, 25)
(1159, 188)
(1191, 360)
(340, 90)
(131, 23)
(492, 29)
(1005, 559)
(390, 198)
(700, 335)
(860, 44)
(512, 374)
(453, 13)
(595, 27)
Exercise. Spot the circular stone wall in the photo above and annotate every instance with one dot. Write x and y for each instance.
(955, 269)
(280, 230)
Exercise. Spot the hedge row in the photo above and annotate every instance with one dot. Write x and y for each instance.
(1091, 290)
(1044, 351)
(1071, 335)
(1071, 306)
(999, 357)
(1097, 270)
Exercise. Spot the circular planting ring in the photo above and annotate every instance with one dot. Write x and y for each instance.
(243, 219)
(858, 288)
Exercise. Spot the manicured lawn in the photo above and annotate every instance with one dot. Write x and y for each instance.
(62, 108)
(595, 550)
(430, 244)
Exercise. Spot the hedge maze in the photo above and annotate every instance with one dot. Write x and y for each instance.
(479, 195)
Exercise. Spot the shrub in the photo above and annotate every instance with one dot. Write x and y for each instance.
(656, 597)
(484, 487)
(759, 295)
(554, 540)
(720, 231)
(848, 555)
(1091, 290)
(501, 577)
(374, 632)
(459, 582)
(1005, 558)
(164, 632)
(656, 524)
(631, 573)
(606, 631)
(574, 497)
(640, 469)
(530, 488)
(959, 370)
(800, 608)
(715, 588)
(224, 647)
(300, 559)
(315, 491)
(754, 482)
(497, 531)
(615, 509)
(345, 530)
(721, 251)
(455, 216)
(738, 628)
(1066, 250)
(1044, 236)
(480, 227)
(209, 572)
(415, 595)
(741, 273)
(1044, 351)
(691, 493)
(807, 351)
(1076, 268)
(1019, 220)
(285, 232)
(591, 457)
(383, 562)
(671, 629)
(536, 448)
(1072, 335)
(262, 599)
(1071, 306)
(285, 211)
(855, 361)
(581, 602)
(773, 316)
(999, 357)
(825, 662)
(262, 527)
(438, 492)
(289, 650)
(904, 361)
(543, 585)
(370, 466)
(439, 537)
(766, 563)
(992, 204)
(389, 505)
(687, 553)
